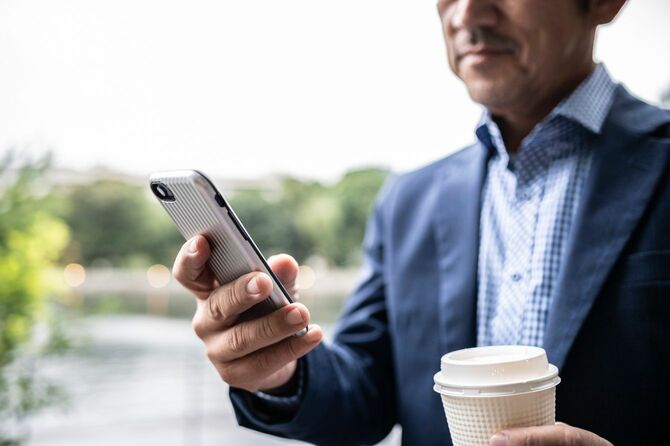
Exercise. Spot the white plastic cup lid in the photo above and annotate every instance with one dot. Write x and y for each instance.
(495, 371)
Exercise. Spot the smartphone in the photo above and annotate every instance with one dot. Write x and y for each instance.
(197, 207)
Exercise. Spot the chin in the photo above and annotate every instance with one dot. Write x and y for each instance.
(491, 92)
(486, 93)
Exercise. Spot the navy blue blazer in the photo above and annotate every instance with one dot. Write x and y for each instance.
(609, 325)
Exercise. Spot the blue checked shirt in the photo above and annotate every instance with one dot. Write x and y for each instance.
(529, 200)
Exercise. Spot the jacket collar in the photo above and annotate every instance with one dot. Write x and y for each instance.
(627, 164)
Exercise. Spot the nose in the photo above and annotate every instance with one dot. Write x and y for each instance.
(473, 14)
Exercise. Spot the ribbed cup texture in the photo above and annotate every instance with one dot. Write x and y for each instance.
(473, 421)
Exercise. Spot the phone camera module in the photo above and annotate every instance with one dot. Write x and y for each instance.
(161, 191)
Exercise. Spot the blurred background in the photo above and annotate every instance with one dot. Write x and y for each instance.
(298, 110)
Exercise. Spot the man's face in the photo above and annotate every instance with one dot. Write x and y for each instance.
(512, 53)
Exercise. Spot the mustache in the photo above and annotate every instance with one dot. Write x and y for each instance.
(468, 39)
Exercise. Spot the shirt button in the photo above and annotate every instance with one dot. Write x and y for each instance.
(516, 277)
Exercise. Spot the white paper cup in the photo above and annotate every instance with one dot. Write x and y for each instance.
(487, 389)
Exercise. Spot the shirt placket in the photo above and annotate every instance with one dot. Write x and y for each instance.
(520, 234)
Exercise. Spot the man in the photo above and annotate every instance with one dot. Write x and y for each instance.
(552, 230)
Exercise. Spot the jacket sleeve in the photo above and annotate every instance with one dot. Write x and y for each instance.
(348, 387)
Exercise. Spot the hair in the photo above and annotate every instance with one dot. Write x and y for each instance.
(585, 5)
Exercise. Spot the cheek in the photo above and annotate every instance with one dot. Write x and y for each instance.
(540, 49)
(550, 53)
(547, 48)
(570, 46)
(449, 43)
(451, 57)
(535, 51)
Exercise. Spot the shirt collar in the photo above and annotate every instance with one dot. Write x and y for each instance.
(588, 105)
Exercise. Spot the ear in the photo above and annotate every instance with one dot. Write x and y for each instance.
(604, 11)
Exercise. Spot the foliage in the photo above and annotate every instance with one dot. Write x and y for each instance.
(355, 194)
(272, 224)
(311, 219)
(113, 223)
(122, 225)
(30, 240)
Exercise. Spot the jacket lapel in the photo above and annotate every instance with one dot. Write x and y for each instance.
(626, 167)
(456, 226)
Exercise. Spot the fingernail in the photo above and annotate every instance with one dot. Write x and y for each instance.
(193, 246)
(498, 440)
(312, 334)
(294, 317)
(252, 286)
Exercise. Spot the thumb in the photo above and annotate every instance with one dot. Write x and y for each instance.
(190, 267)
(559, 434)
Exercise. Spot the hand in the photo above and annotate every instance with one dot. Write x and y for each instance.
(560, 434)
(253, 355)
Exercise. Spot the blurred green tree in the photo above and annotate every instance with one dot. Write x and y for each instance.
(272, 224)
(118, 224)
(335, 217)
(354, 194)
(30, 241)
(308, 218)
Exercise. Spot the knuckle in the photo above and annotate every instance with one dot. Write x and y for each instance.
(237, 375)
(266, 328)
(212, 353)
(198, 325)
(571, 437)
(237, 341)
(214, 308)
(263, 362)
(227, 373)
(529, 440)
(291, 351)
(235, 293)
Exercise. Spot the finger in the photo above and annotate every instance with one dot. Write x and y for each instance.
(190, 267)
(223, 306)
(559, 434)
(247, 337)
(285, 268)
(252, 370)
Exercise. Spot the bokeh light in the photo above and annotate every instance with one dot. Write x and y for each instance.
(306, 277)
(158, 276)
(74, 275)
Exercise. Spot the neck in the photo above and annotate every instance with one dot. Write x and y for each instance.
(516, 123)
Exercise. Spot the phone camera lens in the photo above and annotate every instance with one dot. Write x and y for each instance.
(161, 191)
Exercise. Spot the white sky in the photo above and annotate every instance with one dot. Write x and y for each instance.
(245, 88)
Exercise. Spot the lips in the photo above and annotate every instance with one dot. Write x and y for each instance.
(484, 52)
(482, 56)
